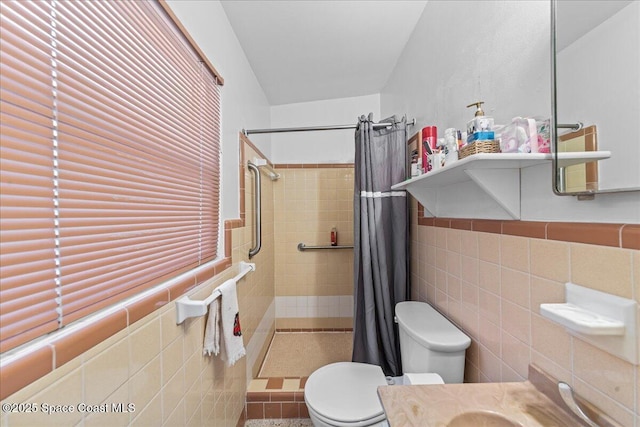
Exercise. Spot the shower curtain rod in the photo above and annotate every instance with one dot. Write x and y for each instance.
(314, 128)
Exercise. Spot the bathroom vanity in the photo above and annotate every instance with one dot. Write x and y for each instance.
(529, 403)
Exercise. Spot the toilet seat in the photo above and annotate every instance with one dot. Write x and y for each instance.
(346, 394)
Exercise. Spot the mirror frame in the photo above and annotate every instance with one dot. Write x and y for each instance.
(554, 125)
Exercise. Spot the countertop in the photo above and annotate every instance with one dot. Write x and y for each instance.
(437, 405)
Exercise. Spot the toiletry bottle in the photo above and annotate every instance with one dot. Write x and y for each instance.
(480, 128)
(334, 237)
(429, 138)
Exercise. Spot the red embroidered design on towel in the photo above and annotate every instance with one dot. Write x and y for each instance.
(236, 326)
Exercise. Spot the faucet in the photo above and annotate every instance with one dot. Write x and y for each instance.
(566, 392)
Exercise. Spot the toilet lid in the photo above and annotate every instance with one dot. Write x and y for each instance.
(345, 391)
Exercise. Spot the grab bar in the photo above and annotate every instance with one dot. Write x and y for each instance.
(257, 220)
(302, 247)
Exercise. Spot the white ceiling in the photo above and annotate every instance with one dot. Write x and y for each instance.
(575, 18)
(317, 49)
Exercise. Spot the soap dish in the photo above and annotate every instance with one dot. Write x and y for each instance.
(581, 320)
(603, 320)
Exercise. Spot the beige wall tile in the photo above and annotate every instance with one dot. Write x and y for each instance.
(470, 269)
(552, 341)
(454, 287)
(170, 331)
(453, 240)
(145, 384)
(473, 353)
(441, 258)
(609, 374)
(550, 259)
(106, 372)
(510, 375)
(193, 370)
(489, 247)
(454, 266)
(454, 308)
(172, 359)
(470, 296)
(145, 344)
(516, 354)
(514, 252)
(469, 321)
(177, 417)
(516, 320)
(489, 277)
(489, 305)
(515, 287)
(605, 403)
(65, 391)
(550, 367)
(441, 280)
(441, 238)
(194, 331)
(150, 415)
(545, 291)
(490, 336)
(490, 365)
(636, 275)
(112, 417)
(602, 268)
(172, 393)
(468, 243)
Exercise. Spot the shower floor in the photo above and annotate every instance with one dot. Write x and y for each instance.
(298, 354)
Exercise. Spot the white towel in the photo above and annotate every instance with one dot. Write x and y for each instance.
(231, 344)
(212, 330)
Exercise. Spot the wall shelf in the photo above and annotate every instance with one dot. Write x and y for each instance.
(484, 185)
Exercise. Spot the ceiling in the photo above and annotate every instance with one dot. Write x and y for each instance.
(575, 18)
(317, 49)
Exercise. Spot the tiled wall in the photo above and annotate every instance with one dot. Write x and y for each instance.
(309, 201)
(158, 366)
(491, 284)
(259, 313)
(154, 364)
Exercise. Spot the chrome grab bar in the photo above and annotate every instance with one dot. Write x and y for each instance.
(257, 217)
(302, 247)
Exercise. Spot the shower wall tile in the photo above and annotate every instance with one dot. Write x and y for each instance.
(492, 284)
(308, 202)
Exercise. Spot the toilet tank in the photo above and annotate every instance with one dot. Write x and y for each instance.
(429, 342)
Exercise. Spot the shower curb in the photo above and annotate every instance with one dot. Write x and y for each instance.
(281, 397)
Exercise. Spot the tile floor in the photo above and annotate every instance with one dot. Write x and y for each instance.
(278, 392)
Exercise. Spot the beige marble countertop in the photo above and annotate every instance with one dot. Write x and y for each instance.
(437, 405)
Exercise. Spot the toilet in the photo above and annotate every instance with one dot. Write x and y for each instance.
(345, 394)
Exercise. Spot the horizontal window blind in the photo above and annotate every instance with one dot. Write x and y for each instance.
(110, 159)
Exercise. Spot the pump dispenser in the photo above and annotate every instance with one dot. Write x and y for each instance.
(480, 128)
(478, 105)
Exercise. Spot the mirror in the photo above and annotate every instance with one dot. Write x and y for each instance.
(595, 62)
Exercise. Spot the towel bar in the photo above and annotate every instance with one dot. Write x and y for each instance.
(302, 247)
(186, 307)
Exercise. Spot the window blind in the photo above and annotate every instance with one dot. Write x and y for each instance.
(110, 159)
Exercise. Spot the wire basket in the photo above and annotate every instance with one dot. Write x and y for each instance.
(479, 147)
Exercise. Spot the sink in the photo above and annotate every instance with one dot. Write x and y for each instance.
(482, 419)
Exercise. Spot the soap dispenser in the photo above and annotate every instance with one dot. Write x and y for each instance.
(480, 128)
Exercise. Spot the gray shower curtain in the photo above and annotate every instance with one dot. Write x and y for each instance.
(381, 242)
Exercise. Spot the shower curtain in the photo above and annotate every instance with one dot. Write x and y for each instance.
(381, 242)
